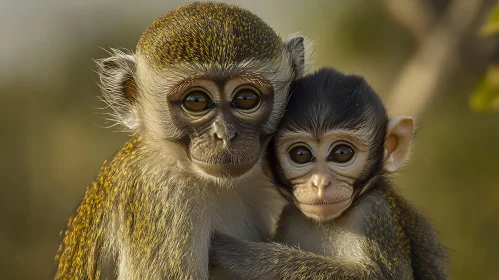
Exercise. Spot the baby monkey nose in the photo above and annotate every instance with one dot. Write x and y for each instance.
(320, 180)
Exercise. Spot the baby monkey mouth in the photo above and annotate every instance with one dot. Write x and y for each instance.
(329, 196)
(324, 209)
(326, 204)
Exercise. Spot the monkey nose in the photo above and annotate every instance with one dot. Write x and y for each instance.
(225, 137)
(230, 135)
(218, 136)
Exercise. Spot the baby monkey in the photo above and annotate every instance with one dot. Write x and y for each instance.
(344, 219)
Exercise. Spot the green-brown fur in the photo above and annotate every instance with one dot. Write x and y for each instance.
(418, 238)
(79, 255)
(123, 205)
(208, 33)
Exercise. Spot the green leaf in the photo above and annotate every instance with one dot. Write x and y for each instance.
(485, 97)
(491, 27)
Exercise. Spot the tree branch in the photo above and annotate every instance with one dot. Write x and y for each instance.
(438, 52)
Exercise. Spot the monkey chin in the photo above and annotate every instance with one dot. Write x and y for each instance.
(225, 170)
(324, 212)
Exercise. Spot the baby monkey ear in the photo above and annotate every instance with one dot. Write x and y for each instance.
(397, 143)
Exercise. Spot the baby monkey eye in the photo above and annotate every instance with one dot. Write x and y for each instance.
(341, 153)
(197, 101)
(301, 154)
(246, 99)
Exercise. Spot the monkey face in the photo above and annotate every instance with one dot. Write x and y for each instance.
(208, 79)
(222, 122)
(322, 171)
(215, 122)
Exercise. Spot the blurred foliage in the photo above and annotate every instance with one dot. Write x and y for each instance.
(485, 96)
(491, 26)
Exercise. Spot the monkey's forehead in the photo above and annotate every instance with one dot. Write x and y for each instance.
(208, 33)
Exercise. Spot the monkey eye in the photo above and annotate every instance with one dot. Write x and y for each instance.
(197, 101)
(341, 153)
(246, 99)
(301, 154)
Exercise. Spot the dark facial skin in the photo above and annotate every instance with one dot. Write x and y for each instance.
(223, 120)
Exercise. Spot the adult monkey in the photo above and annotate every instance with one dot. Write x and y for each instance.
(332, 154)
(203, 94)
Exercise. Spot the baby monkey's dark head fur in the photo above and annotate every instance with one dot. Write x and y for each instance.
(328, 100)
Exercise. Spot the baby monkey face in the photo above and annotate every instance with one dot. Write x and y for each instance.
(322, 170)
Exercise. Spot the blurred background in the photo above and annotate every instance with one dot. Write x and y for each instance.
(425, 58)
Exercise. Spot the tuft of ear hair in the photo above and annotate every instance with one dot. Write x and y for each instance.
(301, 52)
(398, 142)
(118, 86)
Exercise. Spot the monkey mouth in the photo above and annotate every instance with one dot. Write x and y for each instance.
(225, 168)
(227, 158)
(321, 201)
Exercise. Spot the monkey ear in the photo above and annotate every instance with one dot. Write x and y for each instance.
(397, 143)
(118, 86)
(295, 45)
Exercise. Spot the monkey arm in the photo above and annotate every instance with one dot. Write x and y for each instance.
(258, 260)
(380, 251)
